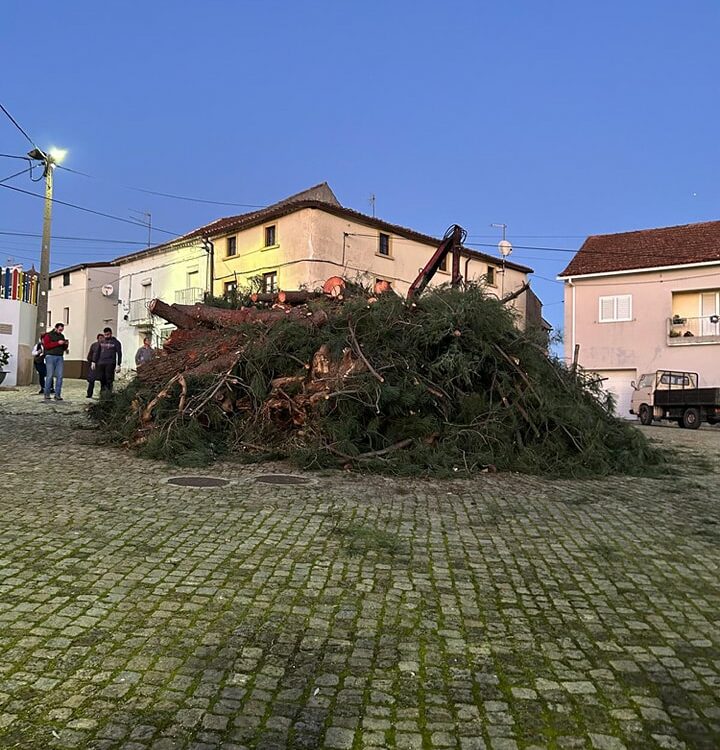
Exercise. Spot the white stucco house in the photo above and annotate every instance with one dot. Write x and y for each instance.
(84, 298)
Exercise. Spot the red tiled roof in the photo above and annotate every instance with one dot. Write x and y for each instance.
(647, 248)
(315, 197)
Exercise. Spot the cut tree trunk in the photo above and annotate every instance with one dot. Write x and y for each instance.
(188, 316)
(172, 313)
(296, 298)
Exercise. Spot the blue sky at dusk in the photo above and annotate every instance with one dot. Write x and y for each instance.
(561, 119)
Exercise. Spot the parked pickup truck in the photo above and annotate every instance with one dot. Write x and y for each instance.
(674, 396)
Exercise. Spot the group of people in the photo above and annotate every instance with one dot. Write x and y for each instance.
(104, 359)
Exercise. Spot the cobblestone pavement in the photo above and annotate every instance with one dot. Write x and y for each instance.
(349, 612)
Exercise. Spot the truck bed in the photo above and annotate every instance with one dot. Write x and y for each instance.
(687, 396)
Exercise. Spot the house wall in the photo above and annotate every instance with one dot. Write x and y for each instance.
(313, 245)
(167, 274)
(641, 343)
(90, 311)
(21, 318)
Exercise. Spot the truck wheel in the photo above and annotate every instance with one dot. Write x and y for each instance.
(691, 418)
(646, 415)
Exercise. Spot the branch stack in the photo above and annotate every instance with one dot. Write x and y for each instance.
(446, 385)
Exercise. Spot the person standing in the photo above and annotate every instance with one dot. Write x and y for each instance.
(144, 354)
(107, 360)
(55, 345)
(91, 375)
(38, 355)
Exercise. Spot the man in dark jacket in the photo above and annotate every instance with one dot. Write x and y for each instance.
(92, 372)
(55, 345)
(107, 360)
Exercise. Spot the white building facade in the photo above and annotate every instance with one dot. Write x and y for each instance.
(84, 298)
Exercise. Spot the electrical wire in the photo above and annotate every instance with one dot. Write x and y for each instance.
(12, 156)
(91, 211)
(76, 239)
(17, 125)
(161, 194)
(17, 174)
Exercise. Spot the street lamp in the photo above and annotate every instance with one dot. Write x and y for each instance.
(48, 160)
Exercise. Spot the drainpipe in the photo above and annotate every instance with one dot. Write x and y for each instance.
(210, 250)
(572, 324)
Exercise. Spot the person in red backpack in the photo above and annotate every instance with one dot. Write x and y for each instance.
(55, 345)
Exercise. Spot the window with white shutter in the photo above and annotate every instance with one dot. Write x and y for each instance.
(616, 308)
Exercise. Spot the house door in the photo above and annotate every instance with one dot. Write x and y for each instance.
(709, 305)
(618, 382)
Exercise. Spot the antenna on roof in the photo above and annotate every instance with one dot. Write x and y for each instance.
(505, 249)
(147, 216)
(372, 203)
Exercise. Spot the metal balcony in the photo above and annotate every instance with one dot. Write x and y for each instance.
(189, 296)
(139, 315)
(693, 331)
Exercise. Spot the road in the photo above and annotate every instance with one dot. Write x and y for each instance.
(348, 611)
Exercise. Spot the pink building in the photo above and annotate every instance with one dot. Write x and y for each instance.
(641, 301)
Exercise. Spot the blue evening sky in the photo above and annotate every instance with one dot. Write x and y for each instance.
(561, 119)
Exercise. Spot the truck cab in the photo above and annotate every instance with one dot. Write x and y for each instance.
(674, 395)
(644, 389)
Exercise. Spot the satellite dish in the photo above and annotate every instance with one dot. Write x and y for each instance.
(505, 248)
(107, 290)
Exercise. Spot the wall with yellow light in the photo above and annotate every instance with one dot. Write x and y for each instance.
(311, 245)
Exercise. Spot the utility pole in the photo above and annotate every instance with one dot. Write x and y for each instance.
(48, 161)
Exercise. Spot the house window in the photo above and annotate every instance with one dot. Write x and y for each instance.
(231, 246)
(146, 291)
(270, 282)
(615, 308)
(230, 288)
(490, 275)
(66, 279)
(193, 279)
(50, 283)
(66, 315)
(384, 244)
(270, 236)
(443, 264)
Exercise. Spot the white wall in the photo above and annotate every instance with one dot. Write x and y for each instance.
(22, 318)
(167, 273)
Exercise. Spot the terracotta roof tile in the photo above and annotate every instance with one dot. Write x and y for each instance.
(647, 248)
(315, 197)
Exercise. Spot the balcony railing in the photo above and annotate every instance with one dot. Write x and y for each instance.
(189, 296)
(139, 314)
(687, 331)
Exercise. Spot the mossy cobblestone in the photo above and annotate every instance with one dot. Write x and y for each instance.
(351, 613)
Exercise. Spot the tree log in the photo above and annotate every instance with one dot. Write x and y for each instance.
(334, 286)
(262, 297)
(296, 298)
(173, 314)
(188, 316)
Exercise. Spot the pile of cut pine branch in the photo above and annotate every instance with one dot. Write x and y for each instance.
(444, 385)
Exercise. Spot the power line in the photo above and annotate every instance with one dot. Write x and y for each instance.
(17, 174)
(161, 194)
(90, 210)
(12, 156)
(17, 125)
(77, 239)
